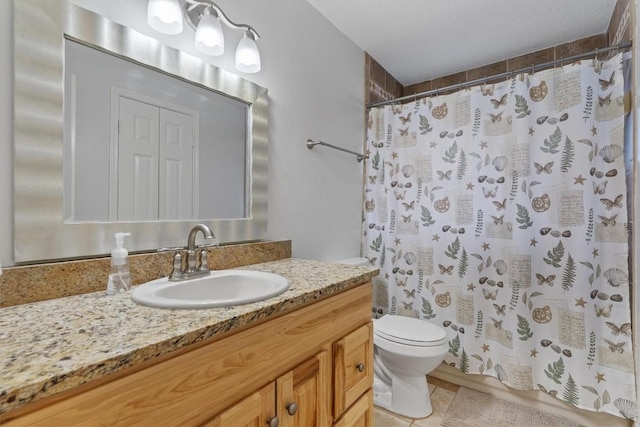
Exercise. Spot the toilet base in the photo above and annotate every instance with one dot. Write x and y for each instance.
(406, 396)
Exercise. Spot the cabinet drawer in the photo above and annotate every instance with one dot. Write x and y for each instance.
(360, 414)
(353, 368)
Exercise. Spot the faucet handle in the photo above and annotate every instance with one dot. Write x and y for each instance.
(176, 270)
(204, 260)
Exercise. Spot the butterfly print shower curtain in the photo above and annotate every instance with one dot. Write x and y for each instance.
(499, 212)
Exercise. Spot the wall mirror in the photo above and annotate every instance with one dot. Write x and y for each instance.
(69, 190)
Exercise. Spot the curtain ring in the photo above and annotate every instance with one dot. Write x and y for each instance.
(596, 57)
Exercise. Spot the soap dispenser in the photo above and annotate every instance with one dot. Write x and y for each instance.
(119, 276)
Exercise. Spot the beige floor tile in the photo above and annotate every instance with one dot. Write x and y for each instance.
(431, 388)
(443, 384)
(441, 398)
(427, 422)
(382, 418)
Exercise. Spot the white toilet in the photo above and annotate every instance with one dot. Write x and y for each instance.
(406, 350)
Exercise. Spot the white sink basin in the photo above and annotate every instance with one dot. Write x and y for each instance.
(220, 289)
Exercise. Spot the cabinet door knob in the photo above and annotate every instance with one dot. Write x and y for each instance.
(360, 367)
(292, 408)
(273, 422)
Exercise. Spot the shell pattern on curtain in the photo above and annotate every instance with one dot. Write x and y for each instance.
(499, 212)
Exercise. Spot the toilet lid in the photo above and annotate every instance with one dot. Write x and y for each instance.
(409, 331)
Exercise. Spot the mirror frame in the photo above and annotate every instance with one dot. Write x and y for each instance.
(40, 233)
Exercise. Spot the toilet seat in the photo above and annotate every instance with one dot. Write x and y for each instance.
(409, 331)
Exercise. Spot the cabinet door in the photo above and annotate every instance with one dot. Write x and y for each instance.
(304, 394)
(256, 410)
(360, 414)
(353, 364)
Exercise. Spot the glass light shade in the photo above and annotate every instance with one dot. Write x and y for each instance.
(247, 56)
(165, 16)
(209, 36)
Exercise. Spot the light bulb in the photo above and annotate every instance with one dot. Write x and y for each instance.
(247, 55)
(165, 16)
(209, 36)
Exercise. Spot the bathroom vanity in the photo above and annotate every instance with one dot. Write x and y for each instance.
(303, 358)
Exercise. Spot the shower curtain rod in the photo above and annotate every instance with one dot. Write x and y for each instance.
(531, 68)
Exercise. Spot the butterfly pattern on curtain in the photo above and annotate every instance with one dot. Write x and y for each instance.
(499, 212)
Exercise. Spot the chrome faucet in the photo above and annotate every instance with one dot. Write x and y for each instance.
(192, 268)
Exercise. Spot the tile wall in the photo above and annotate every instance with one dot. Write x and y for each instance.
(545, 55)
(380, 85)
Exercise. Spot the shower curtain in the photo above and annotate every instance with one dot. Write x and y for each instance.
(499, 212)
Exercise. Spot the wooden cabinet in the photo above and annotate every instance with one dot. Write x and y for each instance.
(258, 409)
(360, 414)
(304, 395)
(353, 378)
(299, 398)
(353, 367)
(242, 378)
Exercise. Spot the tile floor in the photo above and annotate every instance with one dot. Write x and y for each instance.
(442, 394)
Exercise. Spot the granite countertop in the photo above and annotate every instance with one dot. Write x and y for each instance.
(52, 346)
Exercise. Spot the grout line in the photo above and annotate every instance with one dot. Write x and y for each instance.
(412, 421)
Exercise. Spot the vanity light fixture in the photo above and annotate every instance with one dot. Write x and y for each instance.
(247, 55)
(165, 16)
(205, 18)
(209, 35)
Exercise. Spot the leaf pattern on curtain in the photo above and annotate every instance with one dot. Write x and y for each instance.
(499, 212)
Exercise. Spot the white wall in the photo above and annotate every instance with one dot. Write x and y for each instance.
(315, 78)
(6, 134)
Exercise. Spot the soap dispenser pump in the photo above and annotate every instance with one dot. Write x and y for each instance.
(119, 276)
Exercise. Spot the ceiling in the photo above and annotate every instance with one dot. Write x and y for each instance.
(419, 40)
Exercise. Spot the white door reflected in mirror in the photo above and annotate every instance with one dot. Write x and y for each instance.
(154, 172)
